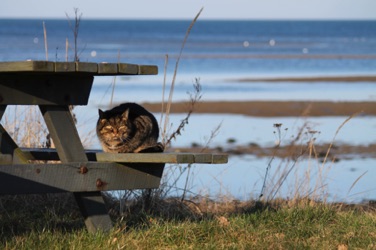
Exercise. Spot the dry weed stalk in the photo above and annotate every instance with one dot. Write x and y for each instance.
(189, 167)
(194, 98)
(302, 188)
(166, 141)
(45, 40)
(75, 28)
(26, 127)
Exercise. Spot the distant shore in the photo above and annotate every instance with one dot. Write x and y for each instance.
(323, 152)
(332, 79)
(272, 108)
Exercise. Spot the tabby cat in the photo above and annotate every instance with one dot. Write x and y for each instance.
(128, 128)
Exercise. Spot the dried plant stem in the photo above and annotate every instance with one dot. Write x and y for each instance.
(75, 28)
(163, 92)
(335, 135)
(66, 49)
(356, 181)
(193, 100)
(213, 134)
(45, 40)
(168, 108)
(114, 83)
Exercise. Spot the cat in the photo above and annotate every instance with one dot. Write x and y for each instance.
(128, 128)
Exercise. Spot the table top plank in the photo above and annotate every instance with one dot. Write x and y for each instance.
(128, 69)
(65, 67)
(147, 70)
(95, 69)
(108, 68)
(27, 66)
(86, 67)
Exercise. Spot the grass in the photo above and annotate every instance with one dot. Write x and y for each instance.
(254, 225)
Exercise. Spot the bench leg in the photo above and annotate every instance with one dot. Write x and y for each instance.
(94, 211)
(9, 147)
(63, 132)
(2, 110)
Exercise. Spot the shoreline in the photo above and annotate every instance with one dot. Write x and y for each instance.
(271, 108)
(311, 79)
(279, 109)
(323, 152)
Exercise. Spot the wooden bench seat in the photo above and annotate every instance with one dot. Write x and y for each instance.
(96, 155)
(102, 171)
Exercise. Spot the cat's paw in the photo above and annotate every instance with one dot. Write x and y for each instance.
(158, 148)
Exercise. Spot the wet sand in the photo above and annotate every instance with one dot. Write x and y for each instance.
(275, 109)
(285, 108)
(272, 108)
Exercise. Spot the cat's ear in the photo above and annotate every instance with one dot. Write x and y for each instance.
(101, 114)
(125, 114)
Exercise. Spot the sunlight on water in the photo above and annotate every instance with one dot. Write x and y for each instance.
(242, 178)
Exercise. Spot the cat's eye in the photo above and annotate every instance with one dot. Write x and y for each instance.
(108, 128)
(122, 128)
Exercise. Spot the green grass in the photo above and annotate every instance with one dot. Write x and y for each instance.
(255, 226)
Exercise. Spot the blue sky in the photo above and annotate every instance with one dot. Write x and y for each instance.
(187, 9)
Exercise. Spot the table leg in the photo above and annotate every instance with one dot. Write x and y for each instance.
(2, 110)
(8, 148)
(64, 134)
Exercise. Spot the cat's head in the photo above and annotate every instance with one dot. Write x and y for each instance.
(114, 129)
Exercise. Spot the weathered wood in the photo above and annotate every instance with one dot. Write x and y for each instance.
(27, 66)
(146, 158)
(108, 68)
(128, 69)
(76, 68)
(63, 132)
(147, 70)
(86, 67)
(95, 155)
(219, 158)
(2, 110)
(9, 151)
(65, 67)
(34, 89)
(94, 211)
(10, 148)
(77, 177)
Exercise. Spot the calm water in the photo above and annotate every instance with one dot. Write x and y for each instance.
(213, 46)
(219, 53)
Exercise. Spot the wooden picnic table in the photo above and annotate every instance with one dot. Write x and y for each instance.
(54, 86)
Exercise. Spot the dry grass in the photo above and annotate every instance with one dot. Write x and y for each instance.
(290, 178)
(26, 126)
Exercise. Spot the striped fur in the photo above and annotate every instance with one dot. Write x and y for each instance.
(128, 128)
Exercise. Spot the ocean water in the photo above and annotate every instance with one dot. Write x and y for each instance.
(215, 47)
(218, 54)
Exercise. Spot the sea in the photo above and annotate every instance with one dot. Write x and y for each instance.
(222, 56)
